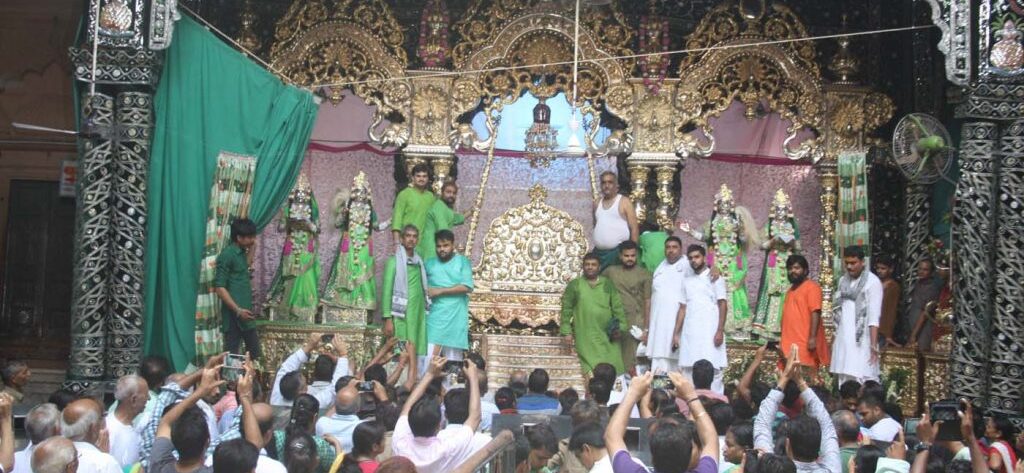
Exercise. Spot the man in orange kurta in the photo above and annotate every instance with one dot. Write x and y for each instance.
(801, 317)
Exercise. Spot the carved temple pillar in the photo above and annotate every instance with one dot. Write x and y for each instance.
(638, 176)
(665, 213)
(89, 300)
(1006, 361)
(916, 232)
(107, 299)
(973, 239)
(828, 177)
(442, 167)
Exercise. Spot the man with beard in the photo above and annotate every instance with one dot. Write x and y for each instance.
(592, 315)
(634, 285)
(442, 216)
(450, 280)
(412, 205)
(403, 297)
(801, 317)
(614, 221)
(857, 310)
(699, 333)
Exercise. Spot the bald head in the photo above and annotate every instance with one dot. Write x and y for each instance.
(54, 455)
(347, 401)
(847, 426)
(81, 420)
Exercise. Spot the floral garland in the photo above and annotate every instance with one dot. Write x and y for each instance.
(433, 44)
(653, 69)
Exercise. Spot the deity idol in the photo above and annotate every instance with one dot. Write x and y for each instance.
(293, 294)
(728, 235)
(352, 284)
(780, 238)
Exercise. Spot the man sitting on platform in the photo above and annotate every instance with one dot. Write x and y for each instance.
(614, 221)
(403, 297)
(536, 400)
(593, 317)
(450, 279)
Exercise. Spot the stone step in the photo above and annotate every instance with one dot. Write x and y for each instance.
(506, 354)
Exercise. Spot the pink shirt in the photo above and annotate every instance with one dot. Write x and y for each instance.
(432, 454)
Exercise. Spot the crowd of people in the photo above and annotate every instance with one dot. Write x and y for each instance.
(385, 417)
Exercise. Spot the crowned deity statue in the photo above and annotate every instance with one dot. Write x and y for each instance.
(728, 235)
(351, 284)
(779, 239)
(293, 293)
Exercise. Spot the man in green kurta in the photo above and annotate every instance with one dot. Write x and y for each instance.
(634, 285)
(592, 317)
(403, 301)
(234, 288)
(412, 205)
(441, 216)
(450, 277)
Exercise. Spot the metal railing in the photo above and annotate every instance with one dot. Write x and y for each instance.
(498, 456)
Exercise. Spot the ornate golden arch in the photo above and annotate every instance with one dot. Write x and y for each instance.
(521, 36)
(352, 41)
(784, 77)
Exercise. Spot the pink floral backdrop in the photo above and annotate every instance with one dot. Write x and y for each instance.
(751, 164)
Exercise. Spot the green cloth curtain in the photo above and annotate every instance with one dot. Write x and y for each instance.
(211, 99)
(854, 226)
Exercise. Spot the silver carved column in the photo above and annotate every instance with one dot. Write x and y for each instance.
(92, 242)
(1006, 361)
(128, 229)
(916, 232)
(973, 238)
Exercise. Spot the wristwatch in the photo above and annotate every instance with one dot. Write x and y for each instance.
(922, 446)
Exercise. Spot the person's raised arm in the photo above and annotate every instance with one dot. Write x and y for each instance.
(472, 375)
(813, 406)
(294, 362)
(925, 435)
(412, 370)
(341, 365)
(250, 426)
(743, 389)
(765, 419)
(614, 434)
(6, 433)
(191, 379)
(705, 428)
(433, 371)
(209, 383)
(966, 413)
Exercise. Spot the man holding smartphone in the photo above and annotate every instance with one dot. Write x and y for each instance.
(234, 288)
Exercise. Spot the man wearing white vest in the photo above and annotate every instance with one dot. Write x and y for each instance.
(614, 221)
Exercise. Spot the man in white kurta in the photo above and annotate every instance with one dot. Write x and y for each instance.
(857, 310)
(666, 302)
(701, 324)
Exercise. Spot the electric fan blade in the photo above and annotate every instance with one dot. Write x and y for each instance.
(26, 126)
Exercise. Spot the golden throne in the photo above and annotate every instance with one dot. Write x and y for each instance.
(530, 253)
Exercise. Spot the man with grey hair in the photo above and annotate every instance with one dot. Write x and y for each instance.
(41, 423)
(82, 422)
(848, 429)
(15, 375)
(132, 394)
(340, 425)
(55, 455)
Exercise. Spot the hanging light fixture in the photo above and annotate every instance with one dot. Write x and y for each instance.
(541, 139)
